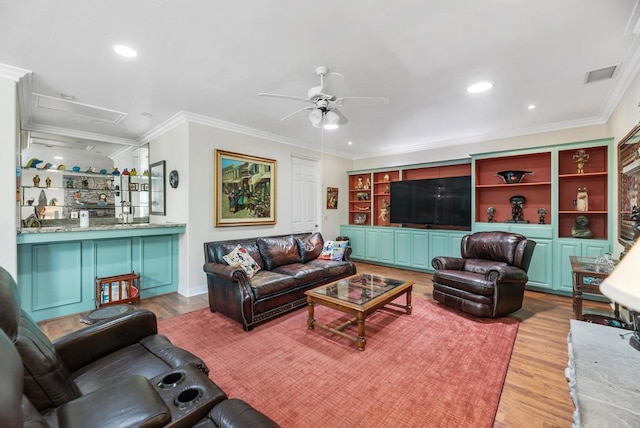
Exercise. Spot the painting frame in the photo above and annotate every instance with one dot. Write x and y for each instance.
(332, 198)
(157, 197)
(245, 190)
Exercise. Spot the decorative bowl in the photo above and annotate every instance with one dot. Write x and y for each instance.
(513, 176)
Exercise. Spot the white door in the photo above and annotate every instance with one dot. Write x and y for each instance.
(304, 195)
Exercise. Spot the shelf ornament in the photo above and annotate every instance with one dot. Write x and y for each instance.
(542, 213)
(582, 200)
(581, 157)
(491, 212)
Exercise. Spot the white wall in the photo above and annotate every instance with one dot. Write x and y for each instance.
(464, 151)
(9, 127)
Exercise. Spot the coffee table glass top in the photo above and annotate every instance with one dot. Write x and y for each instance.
(358, 289)
(592, 264)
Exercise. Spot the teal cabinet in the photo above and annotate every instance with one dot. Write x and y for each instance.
(57, 271)
(574, 247)
(372, 245)
(387, 248)
(356, 237)
(402, 240)
(541, 268)
(420, 250)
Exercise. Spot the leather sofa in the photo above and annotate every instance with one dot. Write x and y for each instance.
(289, 265)
(489, 278)
(117, 372)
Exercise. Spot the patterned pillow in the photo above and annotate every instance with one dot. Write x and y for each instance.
(333, 250)
(239, 257)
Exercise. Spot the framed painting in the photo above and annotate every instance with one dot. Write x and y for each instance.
(157, 190)
(628, 187)
(332, 198)
(245, 189)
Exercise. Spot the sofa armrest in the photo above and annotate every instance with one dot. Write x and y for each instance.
(235, 413)
(347, 254)
(506, 274)
(226, 272)
(128, 402)
(448, 263)
(81, 347)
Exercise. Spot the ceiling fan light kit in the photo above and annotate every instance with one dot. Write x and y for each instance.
(324, 112)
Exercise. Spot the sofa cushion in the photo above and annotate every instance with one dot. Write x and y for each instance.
(310, 247)
(334, 269)
(481, 266)
(303, 273)
(266, 283)
(278, 251)
(470, 282)
(333, 250)
(223, 248)
(240, 257)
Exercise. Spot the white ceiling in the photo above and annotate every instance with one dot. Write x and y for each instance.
(210, 59)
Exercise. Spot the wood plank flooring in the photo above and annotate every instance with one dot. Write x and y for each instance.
(535, 393)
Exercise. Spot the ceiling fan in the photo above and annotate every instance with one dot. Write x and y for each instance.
(323, 105)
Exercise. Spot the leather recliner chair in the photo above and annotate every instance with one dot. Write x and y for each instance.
(111, 373)
(489, 278)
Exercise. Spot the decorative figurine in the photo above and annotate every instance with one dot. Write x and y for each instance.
(61, 167)
(76, 168)
(582, 200)
(517, 203)
(134, 172)
(115, 171)
(359, 184)
(53, 202)
(580, 229)
(36, 181)
(103, 171)
(125, 172)
(491, 212)
(367, 185)
(542, 213)
(90, 169)
(386, 177)
(47, 165)
(387, 189)
(581, 157)
(384, 210)
(48, 182)
(33, 162)
(145, 173)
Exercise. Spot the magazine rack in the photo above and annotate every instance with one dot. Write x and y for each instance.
(118, 289)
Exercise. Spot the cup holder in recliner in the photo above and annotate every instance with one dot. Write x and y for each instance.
(187, 398)
(171, 380)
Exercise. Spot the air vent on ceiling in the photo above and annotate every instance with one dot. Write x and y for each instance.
(61, 144)
(601, 74)
(78, 109)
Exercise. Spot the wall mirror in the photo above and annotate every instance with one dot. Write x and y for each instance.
(628, 185)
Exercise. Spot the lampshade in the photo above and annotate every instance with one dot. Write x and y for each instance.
(316, 117)
(623, 284)
(331, 120)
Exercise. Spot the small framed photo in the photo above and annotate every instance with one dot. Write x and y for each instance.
(332, 198)
(133, 186)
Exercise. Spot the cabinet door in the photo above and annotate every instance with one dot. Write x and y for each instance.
(372, 245)
(386, 246)
(563, 278)
(402, 248)
(420, 250)
(455, 241)
(541, 268)
(595, 249)
(438, 245)
(356, 240)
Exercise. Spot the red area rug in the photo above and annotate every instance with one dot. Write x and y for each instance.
(434, 368)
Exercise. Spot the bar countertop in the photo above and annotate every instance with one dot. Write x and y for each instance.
(75, 232)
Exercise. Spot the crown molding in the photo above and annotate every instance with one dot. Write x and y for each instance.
(630, 69)
(559, 126)
(12, 73)
(186, 117)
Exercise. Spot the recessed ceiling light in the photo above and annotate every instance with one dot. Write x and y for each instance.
(350, 143)
(67, 97)
(125, 51)
(531, 106)
(58, 157)
(479, 87)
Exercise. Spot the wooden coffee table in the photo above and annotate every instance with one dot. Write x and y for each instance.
(358, 295)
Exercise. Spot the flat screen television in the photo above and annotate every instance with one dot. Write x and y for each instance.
(442, 202)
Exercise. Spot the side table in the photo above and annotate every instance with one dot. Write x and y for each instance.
(587, 276)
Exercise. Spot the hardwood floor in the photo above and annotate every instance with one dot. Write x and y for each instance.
(535, 392)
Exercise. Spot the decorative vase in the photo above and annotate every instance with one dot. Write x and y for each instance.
(513, 176)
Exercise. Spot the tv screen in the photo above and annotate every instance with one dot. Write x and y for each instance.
(432, 202)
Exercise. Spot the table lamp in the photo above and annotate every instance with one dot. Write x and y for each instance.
(623, 287)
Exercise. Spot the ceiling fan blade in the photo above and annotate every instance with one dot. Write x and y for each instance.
(296, 112)
(288, 97)
(381, 99)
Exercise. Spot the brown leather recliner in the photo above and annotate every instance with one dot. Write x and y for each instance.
(489, 278)
(118, 372)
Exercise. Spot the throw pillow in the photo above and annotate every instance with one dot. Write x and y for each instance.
(333, 250)
(310, 247)
(239, 257)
